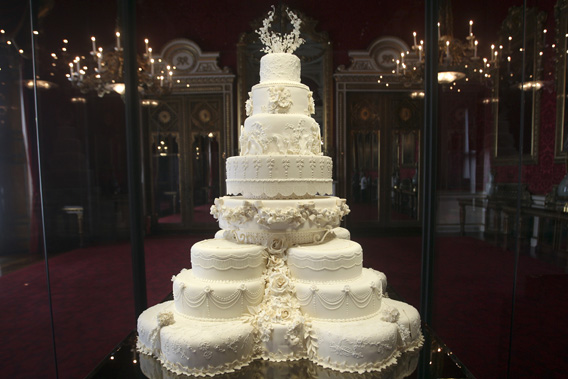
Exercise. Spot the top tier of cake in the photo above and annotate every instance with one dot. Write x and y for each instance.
(280, 67)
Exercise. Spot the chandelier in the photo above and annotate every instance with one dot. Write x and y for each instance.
(102, 71)
(457, 59)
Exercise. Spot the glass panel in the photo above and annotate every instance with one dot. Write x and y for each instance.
(539, 231)
(26, 325)
(501, 235)
(85, 177)
(498, 177)
(80, 178)
(473, 275)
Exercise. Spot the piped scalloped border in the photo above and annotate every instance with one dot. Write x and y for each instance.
(178, 369)
(279, 189)
(360, 369)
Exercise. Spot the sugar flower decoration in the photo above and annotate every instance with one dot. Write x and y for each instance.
(165, 319)
(276, 42)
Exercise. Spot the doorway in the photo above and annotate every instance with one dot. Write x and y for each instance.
(382, 165)
(187, 161)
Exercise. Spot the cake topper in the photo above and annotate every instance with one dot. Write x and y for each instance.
(275, 42)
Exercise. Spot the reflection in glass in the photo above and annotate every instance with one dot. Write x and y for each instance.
(165, 156)
(404, 176)
(365, 173)
(205, 180)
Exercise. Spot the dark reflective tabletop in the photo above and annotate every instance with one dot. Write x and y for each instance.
(434, 360)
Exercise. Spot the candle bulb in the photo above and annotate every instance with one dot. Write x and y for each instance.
(470, 27)
(475, 49)
(146, 43)
(117, 40)
(397, 66)
(93, 39)
(150, 54)
(77, 62)
(467, 131)
(492, 51)
(420, 53)
(448, 49)
(71, 69)
(402, 58)
(439, 33)
(152, 67)
(415, 44)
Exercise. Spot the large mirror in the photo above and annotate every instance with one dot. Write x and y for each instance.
(165, 177)
(561, 144)
(378, 135)
(206, 179)
(404, 180)
(190, 132)
(518, 86)
(364, 162)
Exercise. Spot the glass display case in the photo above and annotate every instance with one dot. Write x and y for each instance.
(445, 122)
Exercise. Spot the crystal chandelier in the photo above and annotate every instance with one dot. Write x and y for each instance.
(457, 59)
(102, 72)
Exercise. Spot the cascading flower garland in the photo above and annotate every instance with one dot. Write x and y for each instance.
(281, 307)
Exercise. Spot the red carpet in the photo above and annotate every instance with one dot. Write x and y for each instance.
(93, 306)
(202, 214)
(92, 301)
(473, 299)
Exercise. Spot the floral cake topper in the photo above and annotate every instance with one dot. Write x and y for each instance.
(275, 42)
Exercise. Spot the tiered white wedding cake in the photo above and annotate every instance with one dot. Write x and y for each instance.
(281, 280)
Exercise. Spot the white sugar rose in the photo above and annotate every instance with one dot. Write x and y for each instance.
(389, 314)
(293, 340)
(279, 284)
(277, 246)
(215, 211)
(285, 314)
(165, 319)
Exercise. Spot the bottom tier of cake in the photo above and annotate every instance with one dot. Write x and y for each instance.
(202, 347)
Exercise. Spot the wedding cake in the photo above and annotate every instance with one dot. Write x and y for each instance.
(281, 280)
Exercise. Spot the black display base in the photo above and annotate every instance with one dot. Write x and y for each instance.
(434, 360)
